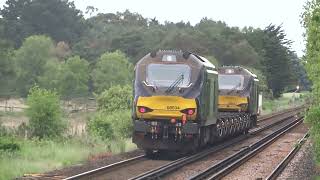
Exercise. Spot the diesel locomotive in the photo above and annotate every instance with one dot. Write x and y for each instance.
(183, 102)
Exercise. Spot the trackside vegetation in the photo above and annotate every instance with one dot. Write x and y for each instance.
(113, 119)
(44, 112)
(311, 22)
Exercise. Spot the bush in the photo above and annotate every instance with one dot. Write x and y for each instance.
(116, 98)
(8, 144)
(100, 126)
(312, 118)
(108, 126)
(45, 117)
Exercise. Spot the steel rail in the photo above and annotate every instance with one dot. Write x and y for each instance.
(284, 163)
(174, 165)
(184, 160)
(105, 168)
(225, 166)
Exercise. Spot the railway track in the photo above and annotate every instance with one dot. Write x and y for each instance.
(176, 165)
(170, 166)
(108, 167)
(227, 165)
(284, 163)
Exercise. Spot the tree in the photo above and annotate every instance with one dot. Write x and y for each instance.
(271, 44)
(45, 116)
(276, 61)
(62, 51)
(31, 59)
(130, 43)
(115, 98)
(112, 69)
(74, 78)
(57, 18)
(51, 77)
(7, 69)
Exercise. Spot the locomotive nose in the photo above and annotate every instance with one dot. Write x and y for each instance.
(166, 107)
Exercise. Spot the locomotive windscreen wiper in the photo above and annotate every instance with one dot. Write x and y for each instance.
(234, 88)
(175, 83)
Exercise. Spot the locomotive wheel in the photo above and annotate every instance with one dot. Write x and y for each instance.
(230, 126)
(227, 124)
(219, 130)
(238, 119)
(223, 127)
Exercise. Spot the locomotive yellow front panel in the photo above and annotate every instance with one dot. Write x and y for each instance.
(166, 107)
(233, 103)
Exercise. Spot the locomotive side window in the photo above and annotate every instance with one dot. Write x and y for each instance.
(163, 75)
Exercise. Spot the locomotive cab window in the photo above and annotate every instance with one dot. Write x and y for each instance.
(231, 81)
(164, 75)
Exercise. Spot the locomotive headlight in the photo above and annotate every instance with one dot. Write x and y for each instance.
(143, 109)
(229, 71)
(189, 111)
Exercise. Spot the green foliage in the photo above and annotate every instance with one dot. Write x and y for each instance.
(7, 69)
(311, 19)
(263, 85)
(113, 119)
(70, 79)
(286, 101)
(38, 156)
(115, 98)
(57, 18)
(51, 78)
(112, 69)
(273, 48)
(8, 144)
(110, 125)
(45, 116)
(31, 59)
(74, 77)
(312, 118)
(101, 126)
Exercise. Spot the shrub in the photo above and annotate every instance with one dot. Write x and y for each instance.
(108, 126)
(312, 118)
(45, 117)
(100, 126)
(116, 98)
(8, 144)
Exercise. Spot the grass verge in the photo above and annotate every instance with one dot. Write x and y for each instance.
(40, 156)
(286, 101)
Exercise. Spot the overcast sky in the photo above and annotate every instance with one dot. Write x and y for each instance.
(256, 13)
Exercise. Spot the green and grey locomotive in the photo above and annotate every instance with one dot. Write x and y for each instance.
(176, 103)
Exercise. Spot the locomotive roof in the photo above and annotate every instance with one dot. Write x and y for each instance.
(240, 69)
(157, 56)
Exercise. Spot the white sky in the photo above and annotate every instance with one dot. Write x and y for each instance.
(255, 13)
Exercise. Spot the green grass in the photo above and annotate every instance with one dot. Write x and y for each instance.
(40, 156)
(286, 101)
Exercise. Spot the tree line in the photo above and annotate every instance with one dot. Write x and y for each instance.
(51, 44)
